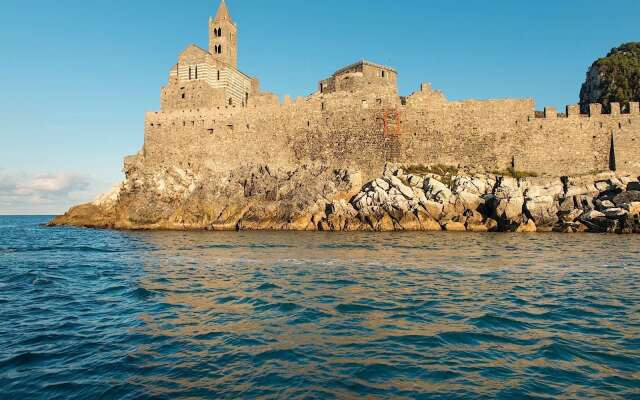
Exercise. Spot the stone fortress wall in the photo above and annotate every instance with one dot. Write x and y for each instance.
(220, 120)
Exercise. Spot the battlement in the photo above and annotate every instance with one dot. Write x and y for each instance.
(595, 111)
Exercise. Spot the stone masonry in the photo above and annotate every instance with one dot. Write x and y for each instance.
(214, 116)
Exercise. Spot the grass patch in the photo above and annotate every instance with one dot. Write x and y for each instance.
(437, 169)
(514, 173)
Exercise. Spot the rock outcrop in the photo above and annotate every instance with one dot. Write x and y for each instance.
(614, 78)
(316, 197)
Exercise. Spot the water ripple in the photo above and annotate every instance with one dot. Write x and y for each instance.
(187, 315)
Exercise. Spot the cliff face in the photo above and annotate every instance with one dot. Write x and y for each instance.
(316, 197)
(614, 78)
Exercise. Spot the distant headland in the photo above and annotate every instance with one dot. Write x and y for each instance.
(356, 155)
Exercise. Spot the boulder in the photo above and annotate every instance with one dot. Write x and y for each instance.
(469, 200)
(436, 191)
(453, 226)
(509, 209)
(527, 227)
(415, 181)
(598, 223)
(477, 227)
(543, 210)
(627, 197)
(402, 188)
(591, 215)
(633, 186)
(633, 208)
(382, 184)
(572, 215)
(604, 204)
(434, 209)
(427, 222)
(615, 213)
(478, 185)
(410, 222)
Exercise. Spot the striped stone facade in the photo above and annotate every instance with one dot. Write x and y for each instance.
(237, 86)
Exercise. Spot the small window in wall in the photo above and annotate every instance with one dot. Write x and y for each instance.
(321, 87)
(183, 95)
(322, 106)
(218, 74)
(246, 97)
(383, 74)
(189, 73)
(196, 72)
(230, 101)
(379, 102)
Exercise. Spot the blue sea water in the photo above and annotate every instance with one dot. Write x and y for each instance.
(91, 314)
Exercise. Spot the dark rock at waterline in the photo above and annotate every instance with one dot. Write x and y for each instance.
(627, 197)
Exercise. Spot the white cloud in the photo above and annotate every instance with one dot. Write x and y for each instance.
(44, 194)
(56, 184)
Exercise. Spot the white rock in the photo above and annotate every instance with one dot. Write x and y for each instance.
(404, 189)
(382, 184)
(436, 190)
(589, 215)
(615, 212)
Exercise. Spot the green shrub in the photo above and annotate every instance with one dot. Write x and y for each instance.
(514, 173)
(614, 78)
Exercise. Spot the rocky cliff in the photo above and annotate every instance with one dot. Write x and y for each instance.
(317, 197)
(614, 78)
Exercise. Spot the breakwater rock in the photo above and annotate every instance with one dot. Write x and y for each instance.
(316, 197)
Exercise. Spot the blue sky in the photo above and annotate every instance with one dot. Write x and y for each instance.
(78, 75)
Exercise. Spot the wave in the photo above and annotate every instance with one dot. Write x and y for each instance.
(79, 249)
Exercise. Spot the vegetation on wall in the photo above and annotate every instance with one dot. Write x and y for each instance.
(614, 78)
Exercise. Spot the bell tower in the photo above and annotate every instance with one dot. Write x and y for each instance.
(223, 37)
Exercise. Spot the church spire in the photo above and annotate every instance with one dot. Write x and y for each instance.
(223, 37)
(223, 12)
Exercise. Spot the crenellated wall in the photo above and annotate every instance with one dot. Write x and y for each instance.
(364, 127)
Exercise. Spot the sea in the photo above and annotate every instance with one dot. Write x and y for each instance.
(100, 314)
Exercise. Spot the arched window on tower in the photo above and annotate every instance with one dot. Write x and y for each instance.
(189, 73)
(219, 32)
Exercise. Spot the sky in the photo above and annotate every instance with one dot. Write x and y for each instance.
(77, 76)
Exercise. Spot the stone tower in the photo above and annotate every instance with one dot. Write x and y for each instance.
(223, 37)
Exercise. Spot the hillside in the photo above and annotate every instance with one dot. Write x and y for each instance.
(614, 78)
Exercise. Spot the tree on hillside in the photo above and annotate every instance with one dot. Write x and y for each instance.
(614, 78)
